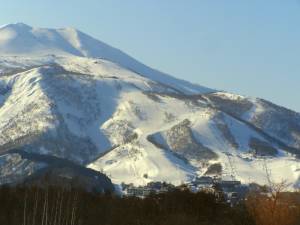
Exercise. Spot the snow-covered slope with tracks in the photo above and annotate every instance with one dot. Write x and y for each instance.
(65, 94)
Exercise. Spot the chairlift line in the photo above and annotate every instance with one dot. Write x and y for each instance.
(231, 165)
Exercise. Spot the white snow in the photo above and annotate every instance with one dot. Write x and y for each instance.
(106, 97)
(231, 96)
(256, 110)
(25, 40)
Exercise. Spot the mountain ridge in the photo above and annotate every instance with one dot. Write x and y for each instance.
(118, 116)
(58, 41)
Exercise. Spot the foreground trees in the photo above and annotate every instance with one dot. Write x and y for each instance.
(57, 206)
(60, 206)
(274, 206)
(35, 206)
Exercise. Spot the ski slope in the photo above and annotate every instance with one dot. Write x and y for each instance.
(65, 94)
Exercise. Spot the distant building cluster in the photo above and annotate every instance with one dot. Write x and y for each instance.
(230, 191)
(150, 188)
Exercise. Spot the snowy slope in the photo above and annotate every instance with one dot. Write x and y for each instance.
(65, 94)
(277, 122)
(21, 39)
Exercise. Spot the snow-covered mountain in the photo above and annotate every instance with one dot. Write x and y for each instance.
(67, 95)
(21, 39)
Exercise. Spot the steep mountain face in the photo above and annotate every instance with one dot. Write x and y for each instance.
(21, 39)
(66, 95)
(279, 124)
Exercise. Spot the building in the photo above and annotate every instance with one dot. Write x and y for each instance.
(150, 188)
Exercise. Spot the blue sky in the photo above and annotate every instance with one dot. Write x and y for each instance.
(250, 47)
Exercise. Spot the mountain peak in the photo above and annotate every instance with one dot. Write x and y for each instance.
(18, 25)
(23, 39)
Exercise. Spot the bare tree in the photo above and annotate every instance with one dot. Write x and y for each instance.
(45, 209)
(272, 206)
(56, 207)
(35, 207)
(25, 208)
(60, 208)
(74, 207)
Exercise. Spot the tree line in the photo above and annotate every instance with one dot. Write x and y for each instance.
(54, 205)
